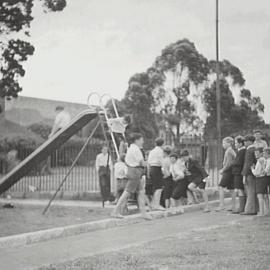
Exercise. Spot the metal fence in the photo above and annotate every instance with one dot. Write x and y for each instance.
(47, 175)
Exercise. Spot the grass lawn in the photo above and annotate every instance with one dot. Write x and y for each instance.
(26, 218)
(242, 246)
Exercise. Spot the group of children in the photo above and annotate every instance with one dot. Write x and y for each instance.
(246, 173)
(162, 178)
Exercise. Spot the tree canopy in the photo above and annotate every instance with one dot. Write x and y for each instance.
(16, 17)
(180, 74)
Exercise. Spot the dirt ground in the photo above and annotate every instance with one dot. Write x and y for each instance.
(244, 246)
(27, 218)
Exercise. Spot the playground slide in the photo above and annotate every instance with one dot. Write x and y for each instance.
(46, 149)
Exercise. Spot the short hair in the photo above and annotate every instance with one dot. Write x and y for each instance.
(122, 157)
(127, 119)
(267, 150)
(257, 131)
(167, 149)
(259, 149)
(240, 139)
(228, 140)
(250, 138)
(184, 153)
(59, 108)
(104, 146)
(174, 155)
(159, 141)
(135, 136)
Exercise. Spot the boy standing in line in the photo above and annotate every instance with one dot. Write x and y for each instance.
(104, 168)
(155, 159)
(226, 172)
(248, 177)
(237, 168)
(167, 177)
(261, 182)
(259, 142)
(266, 153)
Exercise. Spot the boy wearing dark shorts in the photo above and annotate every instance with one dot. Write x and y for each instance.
(259, 171)
(155, 159)
(167, 177)
(237, 168)
(226, 181)
(197, 178)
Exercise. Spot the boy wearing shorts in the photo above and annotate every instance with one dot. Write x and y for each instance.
(226, 181)
(258, 171)
(135, 169)
(167, 177)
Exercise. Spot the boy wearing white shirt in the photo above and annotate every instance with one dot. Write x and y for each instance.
(155, 160)
(120, 175)
(261, 181)
(62, 119)
(266, 154)
(103, 168)
(135, 170)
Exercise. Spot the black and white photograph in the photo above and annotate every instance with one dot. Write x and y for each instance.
(134, 135)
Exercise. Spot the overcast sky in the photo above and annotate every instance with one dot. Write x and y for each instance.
(97, 45)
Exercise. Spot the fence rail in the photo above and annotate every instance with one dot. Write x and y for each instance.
(47, 175)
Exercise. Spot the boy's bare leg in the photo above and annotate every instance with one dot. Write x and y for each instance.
(141, 202)
(267, 207)
(156, 200)
(205, 199)
(261, 204)
(167, 203)
(233, 194)
(221, 199)
(190, 197)
(192, 187)
(120, 205)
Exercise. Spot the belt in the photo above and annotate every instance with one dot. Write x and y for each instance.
(136, 167)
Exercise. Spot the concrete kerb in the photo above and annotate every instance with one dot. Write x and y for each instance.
(59, 232)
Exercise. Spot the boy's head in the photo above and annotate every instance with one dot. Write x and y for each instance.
(258, 152)
(266, 152)
(122, 158)
(12, 154)
(104, 149)
(249, 140)
(137, 138)
(167, 150)
(159, 142)
(227, 142)
(59, 109)
(173, 157)
(258, 134)
(127, 119)
(184, 155)
(239, 142)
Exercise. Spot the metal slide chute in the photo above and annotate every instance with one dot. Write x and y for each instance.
(46, 149)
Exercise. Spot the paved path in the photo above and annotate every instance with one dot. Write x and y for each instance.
(92, 243)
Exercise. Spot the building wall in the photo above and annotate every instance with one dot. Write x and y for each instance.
(26, 111)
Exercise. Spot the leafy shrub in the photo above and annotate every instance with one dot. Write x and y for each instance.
(41, 129)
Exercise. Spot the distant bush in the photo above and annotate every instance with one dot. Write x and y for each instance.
(41, 129)
(23, 146)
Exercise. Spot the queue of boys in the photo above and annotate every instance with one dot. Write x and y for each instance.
(165, 178)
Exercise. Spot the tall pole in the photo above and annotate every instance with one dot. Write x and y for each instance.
(218, 99)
